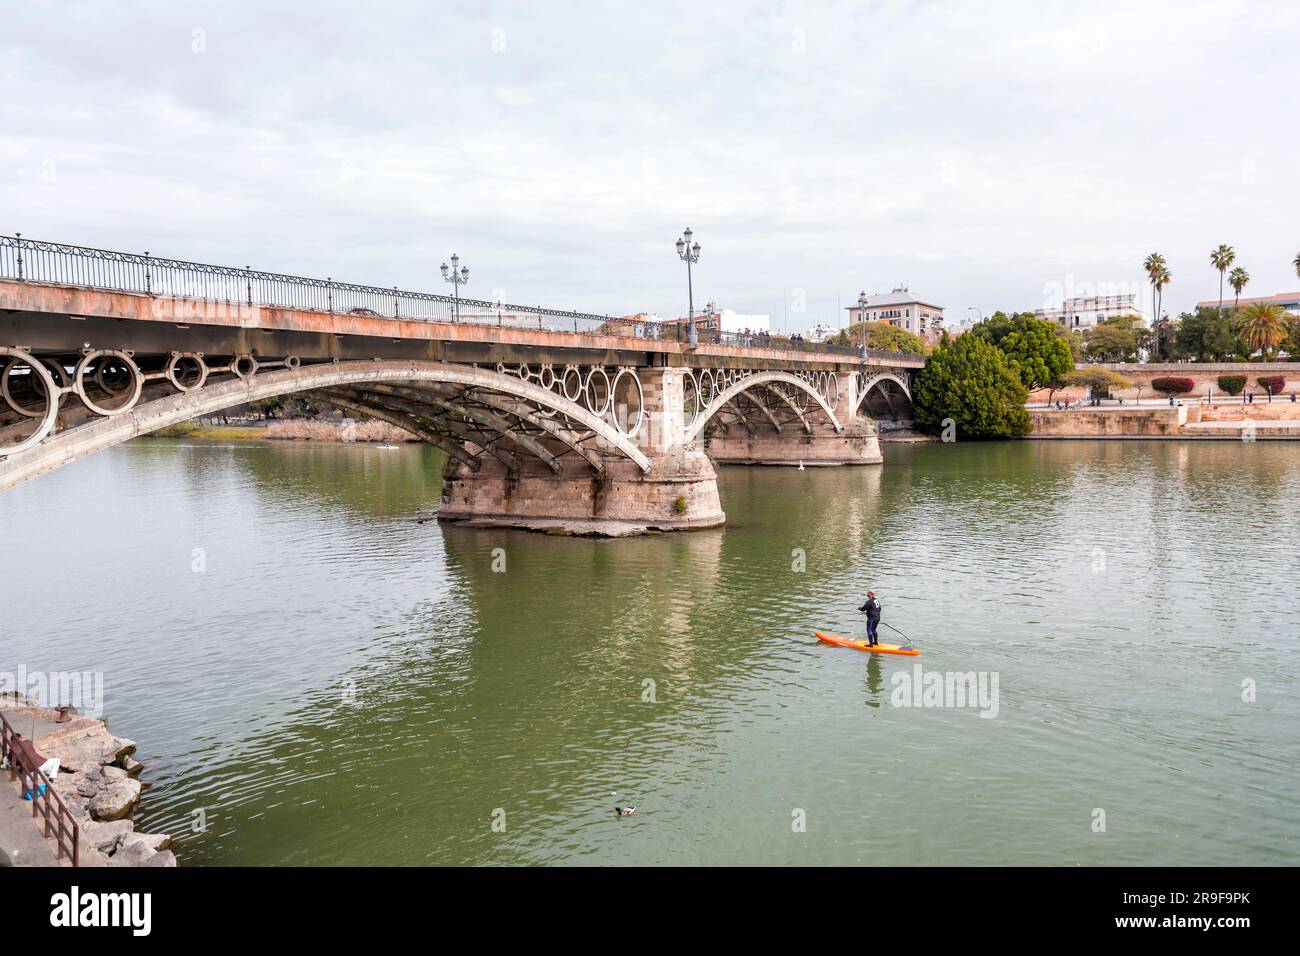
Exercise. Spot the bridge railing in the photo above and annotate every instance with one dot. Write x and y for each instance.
(57, 263)
(60, 824)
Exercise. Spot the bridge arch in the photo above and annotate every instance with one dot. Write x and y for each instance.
(448, 405)
(884, 394)
(767, 382)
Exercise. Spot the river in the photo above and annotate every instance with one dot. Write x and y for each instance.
(315, 676)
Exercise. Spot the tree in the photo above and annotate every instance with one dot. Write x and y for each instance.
(1221, 258)
(1207, 335)
(886, 338)
(1117, 339)
(1075, 338)
(1160, 341)
(1097, 380)
(1154, 265)
(970, 382)
(1237, 280)
(1161, 279)
(1037, 352)
(995, 328)
(1292, 342)
(1264, 326)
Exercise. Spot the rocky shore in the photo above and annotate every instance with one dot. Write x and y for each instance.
(98, 781)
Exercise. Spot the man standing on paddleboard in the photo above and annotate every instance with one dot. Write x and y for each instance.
(872, 610)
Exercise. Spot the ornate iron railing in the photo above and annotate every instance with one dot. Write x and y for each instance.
(57, 263)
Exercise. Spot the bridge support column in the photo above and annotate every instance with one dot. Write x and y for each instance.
(679, 492)
(857, 443)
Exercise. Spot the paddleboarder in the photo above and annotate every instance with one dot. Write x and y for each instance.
(872, 610)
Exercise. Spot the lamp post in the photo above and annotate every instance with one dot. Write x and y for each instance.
(862, 317)
(457, 277)
(690, 254)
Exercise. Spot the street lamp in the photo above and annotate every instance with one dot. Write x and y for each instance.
(457, 277)
(862, 317)
(690, 254)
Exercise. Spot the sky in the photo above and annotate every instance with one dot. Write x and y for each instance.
(990, 155)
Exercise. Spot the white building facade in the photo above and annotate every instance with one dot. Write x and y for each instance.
(904, 310)
(1085, 311)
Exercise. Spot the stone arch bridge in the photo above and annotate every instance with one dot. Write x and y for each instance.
(547, 419)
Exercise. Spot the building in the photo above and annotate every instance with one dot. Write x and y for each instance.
(904, 310)
(1085, 311)
(1287, 300)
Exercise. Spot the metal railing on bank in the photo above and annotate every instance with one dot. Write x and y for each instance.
(46, 803)
(57, 263)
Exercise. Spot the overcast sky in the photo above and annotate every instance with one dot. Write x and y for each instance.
(991, 155)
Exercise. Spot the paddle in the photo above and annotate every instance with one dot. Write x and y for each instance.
(905, 637)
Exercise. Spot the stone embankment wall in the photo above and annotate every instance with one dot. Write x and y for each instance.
(1089, 422)
(1205, 375)
(98, 780)
(1280, 420)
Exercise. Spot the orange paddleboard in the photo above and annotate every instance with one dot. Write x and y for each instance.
(864, 646)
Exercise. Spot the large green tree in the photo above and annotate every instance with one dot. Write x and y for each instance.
(1038, 353)
(998, 326)
(970, 381)
(1207, 335)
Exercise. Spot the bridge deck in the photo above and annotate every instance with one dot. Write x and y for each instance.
(28, 303)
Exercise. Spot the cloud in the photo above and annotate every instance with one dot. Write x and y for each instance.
(981, 152)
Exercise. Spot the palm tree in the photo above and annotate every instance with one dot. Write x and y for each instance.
(1263, 325)
(1238, 279)
(1222, 258)
(1158, 282)
(1153, 264)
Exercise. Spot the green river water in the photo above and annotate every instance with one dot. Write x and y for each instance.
(328, 680)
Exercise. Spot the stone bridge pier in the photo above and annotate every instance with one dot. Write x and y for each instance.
(671, 486)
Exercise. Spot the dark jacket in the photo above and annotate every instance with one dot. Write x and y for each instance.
(872, 609)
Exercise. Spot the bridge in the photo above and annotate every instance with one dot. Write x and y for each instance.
(548, 419)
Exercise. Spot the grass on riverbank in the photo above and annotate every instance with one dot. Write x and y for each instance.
(215, 432)
(288, 430)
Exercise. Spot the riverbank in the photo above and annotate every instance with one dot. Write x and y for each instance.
(290, 430)
(1198, 421)
(98, 780)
